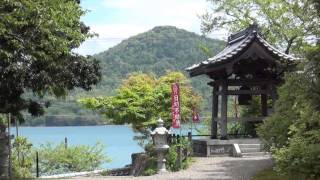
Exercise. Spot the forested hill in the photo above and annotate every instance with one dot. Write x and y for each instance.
(161, 49)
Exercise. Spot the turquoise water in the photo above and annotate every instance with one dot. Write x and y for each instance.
(118, 139)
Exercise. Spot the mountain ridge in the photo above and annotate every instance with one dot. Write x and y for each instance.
(161, 49)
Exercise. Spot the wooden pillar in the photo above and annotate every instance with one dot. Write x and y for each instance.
(224, 109)
(264, 104)
(214, 127)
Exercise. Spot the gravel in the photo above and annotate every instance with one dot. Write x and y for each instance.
(220, 168)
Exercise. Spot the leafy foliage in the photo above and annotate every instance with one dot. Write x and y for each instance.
(172, 157)
(23, 158)
(143, 98)
(300, 160)
(37, 38)
(54, 159)
(58, 159)
(292, 132)
(285, 23)
(293, 129)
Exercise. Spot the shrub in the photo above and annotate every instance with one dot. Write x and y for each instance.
(22, 158)
(150, 171)
(172, 156)
(151, 167)
(54, 159)
(300, 160)
(58, 159)
(294, 128)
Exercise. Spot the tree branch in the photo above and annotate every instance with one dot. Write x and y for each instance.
(290, 42)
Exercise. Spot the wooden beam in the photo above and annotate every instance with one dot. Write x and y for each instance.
(248, 83)
(244, 119)
(241, 82)
(238, 92)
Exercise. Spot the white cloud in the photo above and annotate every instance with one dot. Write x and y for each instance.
(117, 30)
(137, 16)
(94, 46)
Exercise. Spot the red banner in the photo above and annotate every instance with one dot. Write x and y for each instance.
(195, 116)
(175, 105)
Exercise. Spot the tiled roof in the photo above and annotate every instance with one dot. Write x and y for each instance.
(237, 43)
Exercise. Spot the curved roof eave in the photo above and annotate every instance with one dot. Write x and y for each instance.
(235, 48)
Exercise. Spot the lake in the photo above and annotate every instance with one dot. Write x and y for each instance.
(118, 139)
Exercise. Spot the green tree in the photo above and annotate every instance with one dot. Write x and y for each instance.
(285, 23)
(37, 39)
(143, 98)
(293, 131)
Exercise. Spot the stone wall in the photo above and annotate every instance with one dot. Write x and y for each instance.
(214, 147)
(139, 163)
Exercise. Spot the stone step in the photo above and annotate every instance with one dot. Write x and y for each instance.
(250, 146)
(254, 154)
(249, 150)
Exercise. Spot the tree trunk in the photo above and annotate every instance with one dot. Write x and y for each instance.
(4, 152)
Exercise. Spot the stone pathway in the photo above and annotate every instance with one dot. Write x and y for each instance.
(215, 168)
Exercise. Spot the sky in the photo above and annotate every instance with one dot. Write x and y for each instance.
(116, 20)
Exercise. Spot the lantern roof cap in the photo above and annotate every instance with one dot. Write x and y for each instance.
(160, 129)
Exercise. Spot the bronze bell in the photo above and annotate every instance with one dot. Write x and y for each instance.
(244, 99)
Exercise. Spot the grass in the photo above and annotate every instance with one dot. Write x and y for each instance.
(269, 175)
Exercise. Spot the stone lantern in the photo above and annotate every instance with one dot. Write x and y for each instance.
(160, 140)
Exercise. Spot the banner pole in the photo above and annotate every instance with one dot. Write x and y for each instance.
(191, 126)
(180, 133)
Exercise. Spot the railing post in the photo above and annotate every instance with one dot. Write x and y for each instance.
(66, 143)
(169, 139)
(189, 136)
(37, 163)
(190, 144)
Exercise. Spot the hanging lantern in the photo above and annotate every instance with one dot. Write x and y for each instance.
(244, 99)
